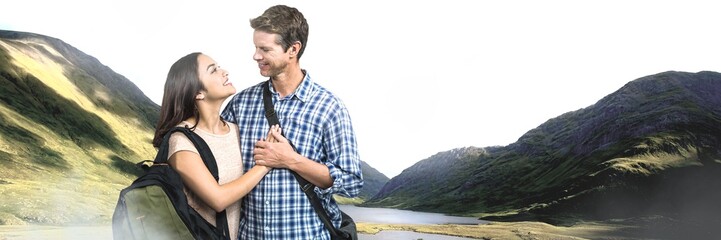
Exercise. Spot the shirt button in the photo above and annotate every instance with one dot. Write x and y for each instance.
(267, 202)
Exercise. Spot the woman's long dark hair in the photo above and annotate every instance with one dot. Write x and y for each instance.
(181, 86)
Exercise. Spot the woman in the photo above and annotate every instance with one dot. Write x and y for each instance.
(195, 89)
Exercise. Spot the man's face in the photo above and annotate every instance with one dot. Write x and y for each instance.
(271, 58)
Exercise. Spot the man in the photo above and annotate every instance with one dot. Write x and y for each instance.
(313, 119)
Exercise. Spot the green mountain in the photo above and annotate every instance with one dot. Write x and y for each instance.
(652, 148)
(373, 181)
(71, 131)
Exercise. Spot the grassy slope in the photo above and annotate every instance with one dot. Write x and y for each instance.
(63, 159)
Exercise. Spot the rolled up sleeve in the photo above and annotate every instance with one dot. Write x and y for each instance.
(343, 160)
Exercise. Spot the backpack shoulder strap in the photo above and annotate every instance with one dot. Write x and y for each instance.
(221, 221)
(199, 144)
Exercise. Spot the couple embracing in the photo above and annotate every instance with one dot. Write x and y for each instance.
(256, 161)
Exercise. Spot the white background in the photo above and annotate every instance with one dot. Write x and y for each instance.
(417, 77)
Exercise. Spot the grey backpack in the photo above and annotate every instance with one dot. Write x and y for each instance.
(154, 206)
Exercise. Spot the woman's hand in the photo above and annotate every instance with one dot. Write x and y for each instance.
(271, 138)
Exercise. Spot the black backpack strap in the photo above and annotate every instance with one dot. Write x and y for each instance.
(221, 219)
(268, 103)
(205, 154)
(307, 187)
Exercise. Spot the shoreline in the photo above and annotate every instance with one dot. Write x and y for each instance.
(613, 229)
(654, 228)
(620, 229)
(492, 230)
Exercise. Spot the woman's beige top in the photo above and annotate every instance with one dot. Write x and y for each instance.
(226, 150)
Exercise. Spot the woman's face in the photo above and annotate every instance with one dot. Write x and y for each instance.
(214, 79)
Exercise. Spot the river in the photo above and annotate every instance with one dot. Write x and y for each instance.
(359, 214)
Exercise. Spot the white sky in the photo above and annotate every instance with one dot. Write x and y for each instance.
(417, 77)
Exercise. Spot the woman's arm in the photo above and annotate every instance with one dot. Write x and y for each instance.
(198, 179)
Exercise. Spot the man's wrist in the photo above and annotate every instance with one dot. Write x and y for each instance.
(294, 161)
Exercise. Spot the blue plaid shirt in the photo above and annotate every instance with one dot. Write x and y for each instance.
(319, 125)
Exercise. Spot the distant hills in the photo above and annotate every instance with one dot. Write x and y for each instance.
(71, 131)
(650, 149)
(373, 181)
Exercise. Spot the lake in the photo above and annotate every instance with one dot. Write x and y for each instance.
(389, 215)
(359, 214)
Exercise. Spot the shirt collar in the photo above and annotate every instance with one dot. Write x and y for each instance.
(303, 91)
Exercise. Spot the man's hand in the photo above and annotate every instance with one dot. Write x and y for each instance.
(275, 152)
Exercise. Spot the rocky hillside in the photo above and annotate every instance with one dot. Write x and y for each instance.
(652, 148)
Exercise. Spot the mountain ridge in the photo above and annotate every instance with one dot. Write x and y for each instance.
(93, 68)
(647, 142)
